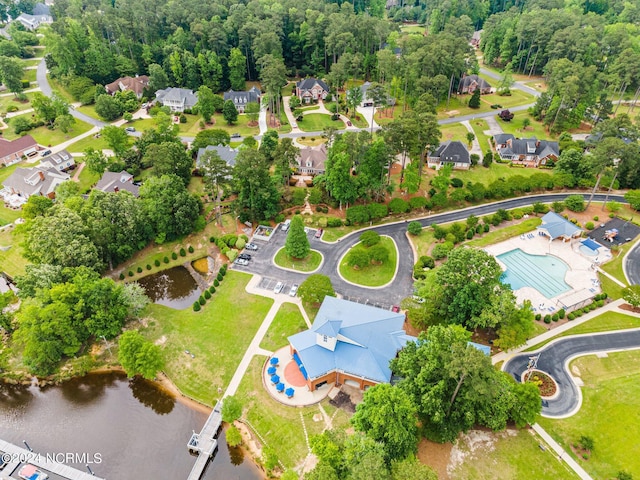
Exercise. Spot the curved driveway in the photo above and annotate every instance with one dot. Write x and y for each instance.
(402, 285)
(554, 360)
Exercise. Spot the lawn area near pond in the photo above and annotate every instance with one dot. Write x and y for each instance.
(218, 336)
(371, 275)
(316, 122)
(11, 260)
(610, 414)
(281, 426)
(308, 264)
(288, 321)
(507, 455)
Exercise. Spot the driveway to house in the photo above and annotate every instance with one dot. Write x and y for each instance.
(262, 120)
(292, 121)
(402, 285)
(516, 85)
(555, 358)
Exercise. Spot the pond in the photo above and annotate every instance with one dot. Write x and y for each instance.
(174, 287)
(138, 430)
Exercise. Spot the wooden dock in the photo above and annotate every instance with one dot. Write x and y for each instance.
(205, 443)
(41, 461)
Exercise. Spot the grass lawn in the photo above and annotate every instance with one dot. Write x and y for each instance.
(90, 110)
(420, 29)
(494, 172)
(47, 137)
(312, 107)
(454, 131)
(98, 143)
(610, 414)
(606, 322)
(372, 275)
(612, 288)
(87, 179)
(614, 266)
(512, 454)
(388, 115)
(514, 127)
(31, 76)
(6, 102)
(479, 126)
(358, 121)
(311, 141)
(218, 336)
(505, 233)
(60, 90)
(281, 426)
(308, 264)
(423, 242)
(12, 261)
(8, 215)
(460, 104)
(316, 122)
(288, 321)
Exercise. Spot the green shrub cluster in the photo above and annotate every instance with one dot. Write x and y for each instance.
(424, 264)
(174, 255)
(156, 262)
(183, 252)
(190, 249)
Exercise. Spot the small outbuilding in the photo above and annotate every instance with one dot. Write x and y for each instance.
(554, 226)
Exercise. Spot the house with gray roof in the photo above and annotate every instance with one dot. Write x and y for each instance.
(311, 89)
(177, 99)
(60, 161)
(450, 153)
(311, 160)
(367, 101)
(26, 182)
(471, 83)
(529, 152)
(41, 15)
(227, 154)
(242, 99)
(349, 343)
(117, 181)
(554, 226)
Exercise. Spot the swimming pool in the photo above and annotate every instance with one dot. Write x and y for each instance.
(545, 273)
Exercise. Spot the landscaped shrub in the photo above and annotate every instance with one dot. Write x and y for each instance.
(547, 319)
(398, 205)
(358, 214)
(207, 295)
(479, 228)
(555, 317)
(156, 262)
(212, 239)
(538, 316)
(441, 250)
(486, 227)
(190, 249)
(599, 303)
(222, 271)
(561, 313)
(212, 289)
(370, 238)
(139, 270)
(589, 226)
(417, 202)
(571, 316)
(165, 259)
(414, 228)
(121, 276)
(202, 300)
(334, 222)
(231, 254)
(216, 283)
(130, 273)
(240, 243)
(578, 313)
(279, 218)
(575, 203)
(470, 234)
(230, 239)
(183, 253)
(196, 306)
(596, 218)
(456, 183)
(219, 277)
(377, 210)
(148, 267)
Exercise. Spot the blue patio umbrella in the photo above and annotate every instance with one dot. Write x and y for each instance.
(275, 379)
(274, 361)
(280, 387)
(271, 371)
(289, 391)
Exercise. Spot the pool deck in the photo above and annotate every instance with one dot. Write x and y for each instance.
(581, 276)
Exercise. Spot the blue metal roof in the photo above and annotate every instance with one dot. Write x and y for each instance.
(368, 338)
(557, 226)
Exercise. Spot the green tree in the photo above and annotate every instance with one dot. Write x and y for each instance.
(206, 105)
(354, 99)
(116, 138)
(138, 356)
(379, 254)
(11, 73)
(412, 469)
(631, 295)
(339, 181)
(49, 108)
(504, 86)
(575, 203)
(315, 288)
(229, 112)
(257, 196)
(387, 415)
(470, 138)
(36, 206)
(231, 409)
(95, 161)
(237, 69)
(474, 101)
(285, 159)
(214, 136)
(108, 108)
(297, 243)
(252, 109)
(526, 406)
(158, 79)
(358, 258)
(66, 190)
(414, 228)
(268, 144)
(169, 158)
(215, 174)
(233, 436)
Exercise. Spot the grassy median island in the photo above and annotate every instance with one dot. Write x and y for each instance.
(218, 336)
(307, 264)
(371, 275)
(609, 414)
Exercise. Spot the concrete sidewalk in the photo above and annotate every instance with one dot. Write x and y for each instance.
(561, 452)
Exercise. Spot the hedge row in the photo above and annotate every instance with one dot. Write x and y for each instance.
(207, 294)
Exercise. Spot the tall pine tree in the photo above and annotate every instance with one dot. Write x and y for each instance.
(297, 244)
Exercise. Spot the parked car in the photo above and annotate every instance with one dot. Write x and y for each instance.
(45, 153)
(294, 290)
(285, 225)
(278, 288)
(395, 309)
(318, 233)
(241, 261)
(251, 246)
(244, 256)
(349, 123)
(130, 129)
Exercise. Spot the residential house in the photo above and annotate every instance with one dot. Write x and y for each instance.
(452, 153)
(529, 152)
(242, 99)
(136, 84)
(177, 99)
(475, 38)
(25, 182)
(227, 154)
(61, 161)
(13, 151)
(311, 160)
(41, 15)
(471, 83)
(367, 101)
(116, 182)
(349, 343)
(311, 89)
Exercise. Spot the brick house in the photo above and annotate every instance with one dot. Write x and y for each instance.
(311, 89)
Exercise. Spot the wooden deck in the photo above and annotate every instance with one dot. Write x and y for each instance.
(205, 442)
(41, 461)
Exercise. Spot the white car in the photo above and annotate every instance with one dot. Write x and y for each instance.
(278, 288)
(241, 261)
(251, 246)
(294, 290)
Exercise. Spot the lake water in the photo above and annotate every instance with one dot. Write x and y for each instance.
(138, 430)
(174, 287)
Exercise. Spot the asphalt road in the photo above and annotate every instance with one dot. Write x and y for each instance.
(632, 265)
(402, 286)
(554, 360)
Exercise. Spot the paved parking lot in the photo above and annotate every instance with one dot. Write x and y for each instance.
(268, 283)
(369, 301)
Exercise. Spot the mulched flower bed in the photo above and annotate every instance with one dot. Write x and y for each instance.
(546, 384)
